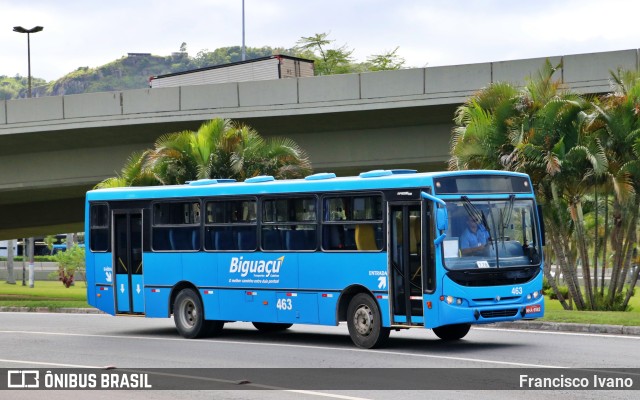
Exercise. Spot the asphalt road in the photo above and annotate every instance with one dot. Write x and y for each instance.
(42, 340)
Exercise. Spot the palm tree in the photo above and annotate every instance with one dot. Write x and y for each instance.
(220, 148)
(537, 130)
(133, 173)
(616, 121)
(485, 124)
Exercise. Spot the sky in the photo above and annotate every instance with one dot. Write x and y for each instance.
(90, 33)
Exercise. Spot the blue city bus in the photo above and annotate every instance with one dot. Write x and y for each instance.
(385, 250)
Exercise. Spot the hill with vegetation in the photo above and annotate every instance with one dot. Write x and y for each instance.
(129, 72)
(134, 70)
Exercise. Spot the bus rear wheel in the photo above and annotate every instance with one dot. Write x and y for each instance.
(271, 327)
(188, 315)
(364, 322)
(452, 332)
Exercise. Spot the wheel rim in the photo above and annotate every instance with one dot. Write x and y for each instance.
(189, 313)
(363, 320)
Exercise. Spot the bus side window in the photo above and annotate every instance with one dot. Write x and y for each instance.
(289, 224)
(99, 227)
(231, 225)
(352, 223)
(176, 226)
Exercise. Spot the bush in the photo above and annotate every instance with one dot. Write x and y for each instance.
(602, 302)
(564, 290)
(70, 262)
(546, 287)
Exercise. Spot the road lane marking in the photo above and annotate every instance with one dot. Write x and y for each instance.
(48, 364)
(247, 343)
(395, 353)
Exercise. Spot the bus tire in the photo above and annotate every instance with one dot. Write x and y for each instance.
(452, 332)
(188, 315)
(271, 327)
(364, 322)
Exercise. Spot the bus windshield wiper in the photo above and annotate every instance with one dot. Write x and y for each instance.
(477, 215)
(505, 216)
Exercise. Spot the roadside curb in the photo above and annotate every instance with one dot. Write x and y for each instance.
(570, 327)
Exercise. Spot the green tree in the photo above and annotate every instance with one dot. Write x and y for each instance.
(389, 60)
(70, 263)
(220, 148)
(539, 130)
(328, 60)
(134, 173)
(616, 122)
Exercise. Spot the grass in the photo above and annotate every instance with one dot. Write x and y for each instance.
(555, 313)
(48, 294)
(53, 295)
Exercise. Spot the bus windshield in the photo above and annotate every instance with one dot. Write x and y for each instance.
(491, 234)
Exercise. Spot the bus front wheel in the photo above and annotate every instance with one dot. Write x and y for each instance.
(452, 332)
(188, 315)
(364, 322)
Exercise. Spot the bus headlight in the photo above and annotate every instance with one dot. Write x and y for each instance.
(449, 299)
(536, 294)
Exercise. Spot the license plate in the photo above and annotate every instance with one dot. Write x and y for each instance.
(533, 309)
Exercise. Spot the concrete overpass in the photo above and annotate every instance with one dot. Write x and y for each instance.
(53, 149)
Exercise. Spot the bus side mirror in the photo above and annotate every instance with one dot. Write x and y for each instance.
(442, 219)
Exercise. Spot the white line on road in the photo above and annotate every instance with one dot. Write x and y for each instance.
(48, 364)
(299, 346)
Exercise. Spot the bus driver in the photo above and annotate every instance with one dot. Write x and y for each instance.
(474, 238)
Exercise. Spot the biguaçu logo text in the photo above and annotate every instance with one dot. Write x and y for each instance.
(243, 267)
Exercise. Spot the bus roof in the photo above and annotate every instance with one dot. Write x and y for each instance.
(376, 179)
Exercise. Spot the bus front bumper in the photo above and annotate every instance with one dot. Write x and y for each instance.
(485, 314)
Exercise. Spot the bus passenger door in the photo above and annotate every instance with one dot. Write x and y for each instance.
(405, 263)
(127, 258)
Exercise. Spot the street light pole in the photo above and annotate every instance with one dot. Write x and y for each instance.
(244, 52)
(35, 29)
